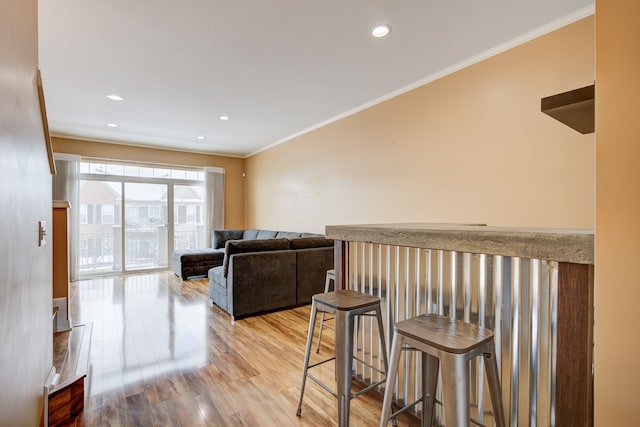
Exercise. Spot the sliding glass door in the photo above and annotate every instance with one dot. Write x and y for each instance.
(132, 217)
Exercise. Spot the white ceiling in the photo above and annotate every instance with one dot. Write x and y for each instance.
(278, 68)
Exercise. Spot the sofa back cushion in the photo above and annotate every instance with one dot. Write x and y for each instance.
(250, 234)
(244, 246)
(266, 234)
(312, 235)
(220, 237)
(310, 242)
(253, 234)
(288, 234)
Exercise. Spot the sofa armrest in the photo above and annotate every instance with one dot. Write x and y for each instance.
(261, 281)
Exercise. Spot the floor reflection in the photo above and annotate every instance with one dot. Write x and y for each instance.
(143, 329)
(162, 356)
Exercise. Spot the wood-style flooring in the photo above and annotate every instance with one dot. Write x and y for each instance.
(161, 355)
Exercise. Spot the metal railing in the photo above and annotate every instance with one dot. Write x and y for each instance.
(101, 251)
(517, 294)
(96, 251)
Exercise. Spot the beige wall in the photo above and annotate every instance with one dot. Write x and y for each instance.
(25, 190)
(234, 183)
(470, 147)
(617, 294)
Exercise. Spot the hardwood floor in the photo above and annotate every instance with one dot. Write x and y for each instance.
(161, 355)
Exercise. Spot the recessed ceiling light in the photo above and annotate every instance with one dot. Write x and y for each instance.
(200, 137)
(112, 125)
(115, 97)
(381, 30)
(224, 117)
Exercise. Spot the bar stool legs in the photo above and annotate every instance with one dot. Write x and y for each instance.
(312, 323)
(430, 366)
(345, 305)
(344, 354)
(331, 277)
(449, 345)
(493, 379)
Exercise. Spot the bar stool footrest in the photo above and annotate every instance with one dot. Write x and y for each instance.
(321, 362)
(404, 409)
(322, 385)
(369, 366)
(367, 388)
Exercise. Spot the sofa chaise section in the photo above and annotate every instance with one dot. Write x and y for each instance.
(188, 263)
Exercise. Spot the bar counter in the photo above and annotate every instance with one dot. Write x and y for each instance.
(532, 286)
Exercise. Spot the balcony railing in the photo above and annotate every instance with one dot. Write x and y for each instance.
(101, 251)
(96, 252)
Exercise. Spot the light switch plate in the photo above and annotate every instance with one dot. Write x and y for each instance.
(42, 233)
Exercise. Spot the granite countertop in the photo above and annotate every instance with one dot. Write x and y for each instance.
(553, 244)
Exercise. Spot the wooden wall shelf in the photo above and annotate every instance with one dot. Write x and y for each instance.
(575, 108)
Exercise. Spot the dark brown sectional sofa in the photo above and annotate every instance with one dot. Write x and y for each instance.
(260, 275)
(255, 271)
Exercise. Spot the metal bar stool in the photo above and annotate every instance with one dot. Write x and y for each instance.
(331, 277)
(345, 305)
(450, 344)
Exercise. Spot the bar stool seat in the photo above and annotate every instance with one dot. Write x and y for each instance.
(449, 344)
(345, 305)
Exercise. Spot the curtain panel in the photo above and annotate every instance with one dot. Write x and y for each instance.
(214, 200)
(66, 186)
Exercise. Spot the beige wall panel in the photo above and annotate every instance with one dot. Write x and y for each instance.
(617, 283)
(234, 183)
(26, 334)
(470, 147)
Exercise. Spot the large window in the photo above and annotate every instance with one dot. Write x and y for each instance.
(133, 216)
